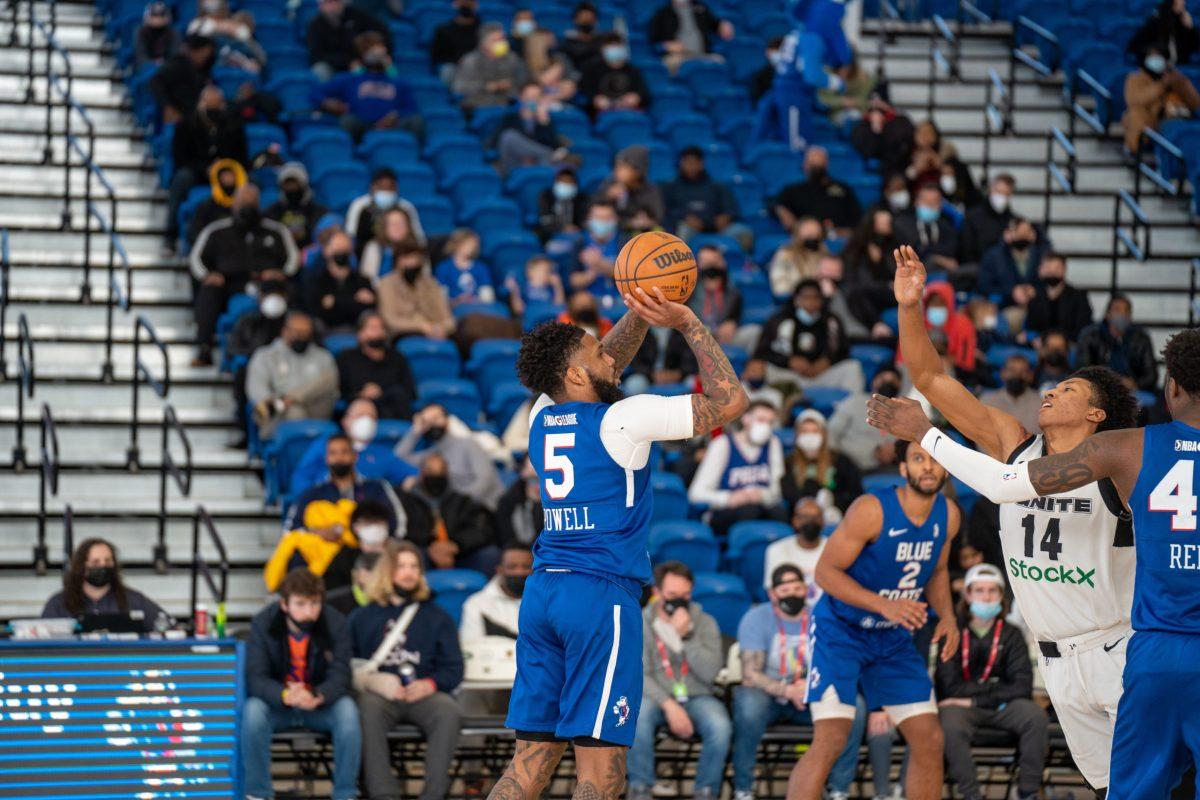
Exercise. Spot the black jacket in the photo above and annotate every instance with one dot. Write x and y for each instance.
(392, 375)
(825, 198)
(452, 41)
(208, 212)
(346, 308)
(237, 252)
(982, 227)
(1132, 354)
(178, 82)
(555, 214)
(542, 134)
(468, 524)
(845, 483)
(664, 25)
(1011, 677)
(300, 219)
(784, 336)
(892, 146)
(704, 197)
(1071, 312)
(268, 657)
(597, 78)
(251, 332)
(333, 42)
(197, 143)
(1165, 32)
(939, 240)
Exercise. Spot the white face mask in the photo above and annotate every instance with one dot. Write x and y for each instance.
(273, 306)
(362, 429)
(809, 443)
(949, 184)
(899, 199)
(999, 202)
(372, 534)
(759, 433)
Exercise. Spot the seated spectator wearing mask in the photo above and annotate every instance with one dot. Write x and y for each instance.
(814, 469)
(798, 259)
(156, 40)
(738, 478)
(290, 378)
(350, 597)
(178, 82)
(581, 42)
(950, 327)
(802, 550)
(393, 232)
(716, 300)
(849, 432)
(683, 30)
(375, 459)
(884, 134)
(362, 216)
(1170, 30)
(804, 344)
(206, 135)
(593, 269)
(92, 585)
(298, 678)
(1154, 93)
(411, 301)
(369, 524)
(337, 295)
(371, 97)
(495, 609)
(1018, 398)
(526, 136)
(296, 208)
(560, 208)
(1008, 272)
(1054, 359)
(928, 231)
(612, 82)
(519, 514)
(696, 203)
(637, 200)
(869, 267)
(819, 195)
(1056, 304)
(454, 528)
(225, 177)
(1117, 343)
(253, 330)
(332, 33)
(454, 39)
(491, 74)
(583, 311)
(345, 484)
(414, 680)
(985, 224)
(373, 371)
(472, 472)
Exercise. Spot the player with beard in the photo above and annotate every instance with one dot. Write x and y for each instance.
(889, 551)
(579, 652)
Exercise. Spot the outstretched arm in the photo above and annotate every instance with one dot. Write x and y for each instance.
(993, 431)
(1111, 454)
(625, 338)
(723, 399)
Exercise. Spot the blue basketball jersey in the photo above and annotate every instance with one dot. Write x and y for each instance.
(741, 472)
(1166, 590)
(596, 513)
(899, 563)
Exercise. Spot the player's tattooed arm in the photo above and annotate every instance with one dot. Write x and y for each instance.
(1111, 454)
(753, 675)
(724, 399)
(625, 338)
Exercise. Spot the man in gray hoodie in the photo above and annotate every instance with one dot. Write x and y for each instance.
(682, 655)
(291, 378)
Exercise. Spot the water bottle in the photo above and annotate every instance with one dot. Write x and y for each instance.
(408, 673)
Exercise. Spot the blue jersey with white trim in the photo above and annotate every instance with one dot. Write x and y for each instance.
(899, 563)
(741, 473)
(596, 513)
(1166, 588)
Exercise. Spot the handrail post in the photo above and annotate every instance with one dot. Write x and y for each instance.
(5, 275)
(133, 455)
(181, 476)
(1112, 287)
(68, 536)
(48, 476)
(26, 381)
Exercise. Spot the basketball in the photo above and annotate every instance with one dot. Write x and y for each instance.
(656, 259)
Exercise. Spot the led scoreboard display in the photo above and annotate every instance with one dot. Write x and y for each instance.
(100, 720)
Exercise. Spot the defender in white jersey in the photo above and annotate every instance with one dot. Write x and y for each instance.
(1069, 557)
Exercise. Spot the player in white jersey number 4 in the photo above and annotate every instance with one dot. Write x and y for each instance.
(1070, 557)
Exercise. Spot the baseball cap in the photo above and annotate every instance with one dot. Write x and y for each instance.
(983, 573)
(811, 414)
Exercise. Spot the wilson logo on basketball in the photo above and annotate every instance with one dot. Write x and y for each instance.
(671, 258)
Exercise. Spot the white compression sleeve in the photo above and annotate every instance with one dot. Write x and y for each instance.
(998, 482)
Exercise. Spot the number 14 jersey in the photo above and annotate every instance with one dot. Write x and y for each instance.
(1069, 556)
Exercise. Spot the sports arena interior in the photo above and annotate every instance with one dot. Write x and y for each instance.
(265, 266)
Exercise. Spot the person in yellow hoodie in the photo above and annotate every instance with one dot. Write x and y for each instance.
(334, 535)
(225, 177)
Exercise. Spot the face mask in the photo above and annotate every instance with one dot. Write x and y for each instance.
(812, 245)
(402, 593)
(529, 105)
(948, 183)
(888, 389)
(565, 190)
(372, 534)
(214, 114)
(341, 469)
(673, 605)
(304, 627)
(375, 60)
(248, 215)
(273, 306)
(362, 429)
(411, 274)
(300, 345)
(810, 531)
(515, 584)
(615, 55)
(294, 196)
(524, 27)
(435, 485)
(817, 173)
(899, 199)
(989, 323)
(985, 610)
(1015, 386)
(756, 383)
(759, 433)
(805, 317)
(436, 433)
(1156, 64)
(341, 259)
(791, 606)
(383, 198)
(99, 577)
(602, 228)
(928, 215)
(712, 273)
(1053, 281)
(1020, 245)
(773, 58)
(999, 202)
(500, 49)
(810, 443)
(937, 316)
(1056, 359)
(585, 27)
(1119, 322)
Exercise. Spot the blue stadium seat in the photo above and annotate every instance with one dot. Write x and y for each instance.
(452, 587)
(746, 551)
(724, 597)
(964, 495)
(313, 136)
(701, 77)
(873, 483)
(261, 135)
(337, 342)
(998, 354)
(720, 161)
(231, 79)
(487, 309)
(504, 400)
(337, 186)
(728, 245)
(430, 358)
(872, 357)
(772, 24)
(453, 147)
(459, 397)
(662, 161)
(671, 102)
(441, 121)
(472, 186)
(737, 357)
(824, 398)
(737, 131)
(384, 147)
(525, 185)
(437, 214)
(284, 451)
(757, 302)
(492, 362)
(724, 103)
(748, 191)
(391, 431)
(765, 246)
(775, 164)
(623, 128)
(685, 130)
(745, 55)
(670, 497)
(508, 252)
(572, 122)
(691, 542)
(537, 313)
(239, 305)
(490, 215)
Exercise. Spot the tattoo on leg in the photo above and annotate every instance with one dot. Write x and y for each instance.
(586, 790)
(529, 772)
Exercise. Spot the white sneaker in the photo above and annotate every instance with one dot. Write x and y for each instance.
(837, 796)
(742, 794)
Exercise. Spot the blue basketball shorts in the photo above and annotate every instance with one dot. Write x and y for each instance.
(579, 659)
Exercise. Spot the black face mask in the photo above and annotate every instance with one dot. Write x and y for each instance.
(304, 627)
(817, 174)
(404, 594)
(585, 27)
(248, 216)
(435, 485)
(341, 259)
(341, 469)
(673, 605)
(466, 13)
(214, 114)
(881, 238)
(1054, 281)
(791, 606)
(587, 317)
(294, 196)
(809, 531)
(436, 433)
(272, 287)
(411, 274)
(1055, 359)
(888, 389)
(377, 344)
(1020, 245)
(99, 577)
(712, 273)
(1015, 386)
(300, 346)
(812, 245)
(515, 584)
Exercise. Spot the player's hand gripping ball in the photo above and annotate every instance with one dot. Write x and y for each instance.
(656, 259)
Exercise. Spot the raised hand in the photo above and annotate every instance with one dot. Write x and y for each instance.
(656, 309)
(909, 283)
(898, 416)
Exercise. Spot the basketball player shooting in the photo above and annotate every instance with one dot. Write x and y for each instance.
(1071, 561)
(1157, 732)
(579, 651)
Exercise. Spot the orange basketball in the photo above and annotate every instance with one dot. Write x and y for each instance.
(656, 259)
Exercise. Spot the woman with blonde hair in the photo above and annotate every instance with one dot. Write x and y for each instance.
(393, 230)
(815, 470)
(405, 676)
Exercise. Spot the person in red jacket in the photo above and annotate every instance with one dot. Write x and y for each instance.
(949, 327)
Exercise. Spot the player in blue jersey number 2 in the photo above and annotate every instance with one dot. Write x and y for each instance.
(1157, 734)
(579, 649)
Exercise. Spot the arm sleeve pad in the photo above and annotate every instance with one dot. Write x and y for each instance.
(998, 482)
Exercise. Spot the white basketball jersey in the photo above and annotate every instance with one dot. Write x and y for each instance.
(1069, 557)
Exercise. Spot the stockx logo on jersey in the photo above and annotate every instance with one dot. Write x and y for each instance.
(1076, 576)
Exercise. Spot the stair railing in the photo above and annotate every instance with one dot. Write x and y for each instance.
(47, 486)
(5, 274)
(143, 374)
(1064, 176)
(1135, 241)
(218, 586)
(179, 472)
(117, 296)
(1151, 138)
(997, 118)
(25, 383)
(938, 63)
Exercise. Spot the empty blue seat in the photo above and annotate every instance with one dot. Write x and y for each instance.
(686, 130)
(623, 128)
(459, 397)
(877, 481)
(380, 147)
(773, 24)
(662, 161)
(441, 121)
(691, 542)
(437, 215)
(525, 185)
(453, 147)
(284, 451)
(472, 185)
(413, 175)
(738, 131)
(491, 214)
(537, 313)
(391, 431)
(430, 358)
(261, 135)
(670, 497)
(720, 161)
(504, 400)
(728, 102)
(451, 588)
(728, 245)
(337, 342)
(507, 253)
(493, 362)
(824, 398)
(723, 596)
(231, 79)
(339, 185)
(872, 357)
(747, 190)
(737, 357)
(308, 136)
(487, 309)
(702, 77)
(745, 56)
(998, 354)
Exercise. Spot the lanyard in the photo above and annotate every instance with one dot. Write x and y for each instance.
(784, 652)
(678, 687)
(991, 662)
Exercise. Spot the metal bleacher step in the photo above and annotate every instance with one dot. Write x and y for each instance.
(96, 443)
(106, 488)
